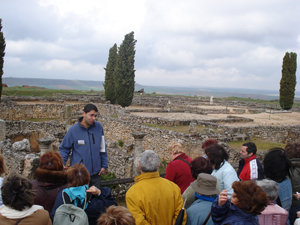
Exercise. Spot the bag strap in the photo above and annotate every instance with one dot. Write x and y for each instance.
(183, 161)
(207, 218)
(67, 200)
(18, 221)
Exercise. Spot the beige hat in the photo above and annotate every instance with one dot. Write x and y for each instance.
(205, 184)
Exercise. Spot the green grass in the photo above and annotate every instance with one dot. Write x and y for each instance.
(19, 91)
(41, 119)
(109, 176)
(260, 144)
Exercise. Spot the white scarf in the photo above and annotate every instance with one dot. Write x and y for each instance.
(16, 214)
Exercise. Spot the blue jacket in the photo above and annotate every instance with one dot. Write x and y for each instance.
(86, 144)
(197, 213)
(230, 214)
(96, 205)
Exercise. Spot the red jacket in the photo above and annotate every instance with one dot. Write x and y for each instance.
(179, 172)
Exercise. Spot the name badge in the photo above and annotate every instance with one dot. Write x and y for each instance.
(81, 142)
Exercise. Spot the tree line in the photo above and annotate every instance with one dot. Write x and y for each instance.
(120, 73)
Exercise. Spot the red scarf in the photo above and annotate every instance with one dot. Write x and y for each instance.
(249, 170)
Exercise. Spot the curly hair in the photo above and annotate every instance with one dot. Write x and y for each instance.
(17, 192)
(116, 215)
(2, 165)
(175, 147)
(200, 165)
(216, 154)
(251, 198)
(78, 175)
(51, 161)
(209, 143)
(292, 150)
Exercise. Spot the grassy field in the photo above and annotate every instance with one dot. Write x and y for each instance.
(41, 119)
(39, 92)
(260, 144)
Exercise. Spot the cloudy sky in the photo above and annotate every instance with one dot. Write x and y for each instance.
(232, 43)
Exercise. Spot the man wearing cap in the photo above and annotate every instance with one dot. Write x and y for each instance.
(249, 167)
(152, 199)
(205, 193)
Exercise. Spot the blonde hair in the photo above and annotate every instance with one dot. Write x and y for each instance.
(175, 147)
(116, 215)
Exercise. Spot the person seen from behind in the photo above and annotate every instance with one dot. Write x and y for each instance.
(18, 203)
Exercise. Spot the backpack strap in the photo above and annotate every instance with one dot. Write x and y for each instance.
(67, 200)
(183, 161)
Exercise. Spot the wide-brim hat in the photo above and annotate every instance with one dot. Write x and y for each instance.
(205, 184)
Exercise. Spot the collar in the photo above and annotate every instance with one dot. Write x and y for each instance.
(205, 198)
(147, 175)
(182, 156)
(250, 158)
(77, 193)
(11, 213)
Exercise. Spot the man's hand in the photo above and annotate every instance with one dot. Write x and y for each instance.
(94, 190)
(102, 171)
(223, 198)
(65, 167)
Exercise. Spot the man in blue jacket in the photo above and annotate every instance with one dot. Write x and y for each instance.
(86, 139)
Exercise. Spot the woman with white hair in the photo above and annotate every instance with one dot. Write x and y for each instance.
(273, 214)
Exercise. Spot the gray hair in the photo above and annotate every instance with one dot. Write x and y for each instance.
(270, 187)
(148, 161)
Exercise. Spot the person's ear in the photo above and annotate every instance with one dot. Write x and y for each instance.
(139, 167)
(250, 154)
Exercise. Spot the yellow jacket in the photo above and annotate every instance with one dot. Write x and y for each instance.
(154, 200)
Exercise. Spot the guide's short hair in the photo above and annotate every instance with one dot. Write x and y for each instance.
(90, 107)
(148, 161)
(251, 147)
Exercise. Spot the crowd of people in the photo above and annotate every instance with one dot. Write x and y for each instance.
(203, 190)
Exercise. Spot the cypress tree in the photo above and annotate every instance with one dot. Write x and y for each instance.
(124, 71)
(288, 81)
(109, 85)
(2, 54)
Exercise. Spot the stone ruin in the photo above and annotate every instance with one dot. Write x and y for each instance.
(22, 142)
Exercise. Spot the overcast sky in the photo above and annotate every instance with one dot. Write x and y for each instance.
(232, 43)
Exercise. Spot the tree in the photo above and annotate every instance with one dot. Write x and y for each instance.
(2, 54)
(109, 85)
(124, 72)
(288, 81)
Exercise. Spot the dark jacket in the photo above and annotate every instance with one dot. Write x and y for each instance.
(86, 144)
(96, 205)
(47, 185)
(259, 168)
(230, 214)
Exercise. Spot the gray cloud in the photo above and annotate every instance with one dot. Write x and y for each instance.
(219, 43)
